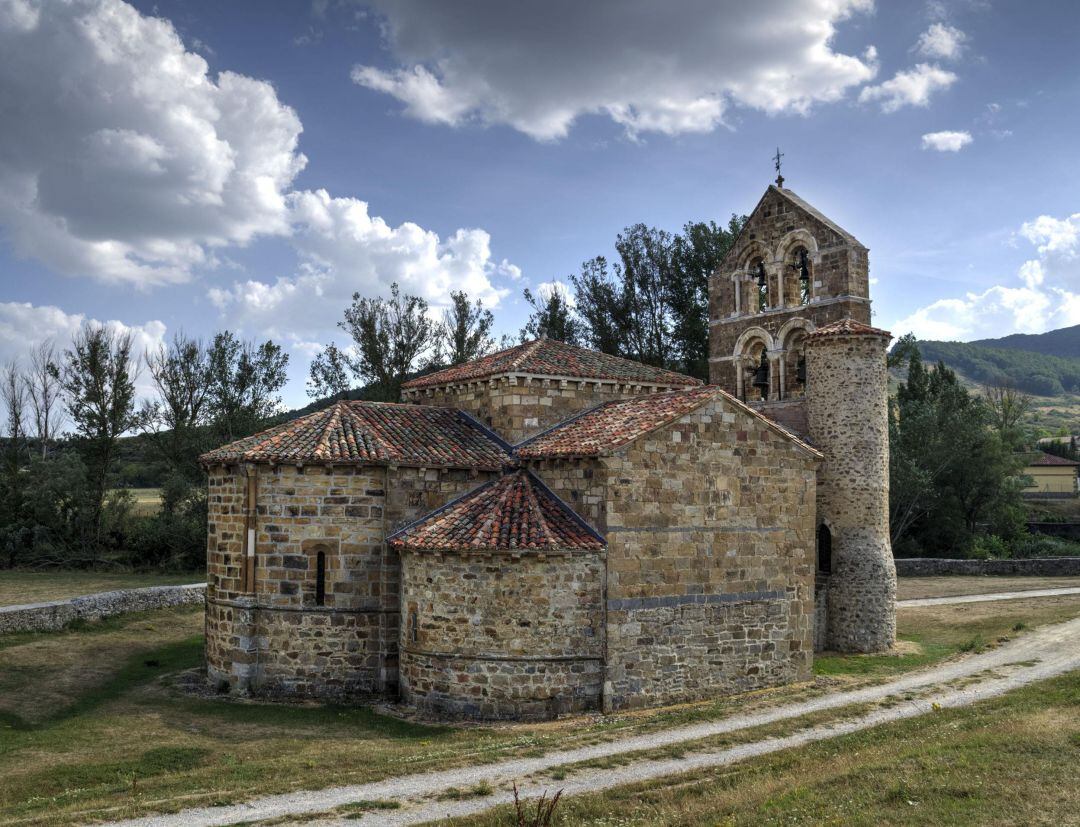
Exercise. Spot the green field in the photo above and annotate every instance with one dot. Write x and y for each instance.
(103, 722)
(147, 501)
(41, 586)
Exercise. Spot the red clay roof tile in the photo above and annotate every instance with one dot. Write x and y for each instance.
(373, 433)
(847, 327)
(1051, 459)
(608, 426)
(515, 511)
(548, 357)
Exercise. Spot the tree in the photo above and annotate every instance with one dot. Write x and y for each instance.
(599, 304)
(653, 304)
(1007, 409)
(44, 393)
(465, 330)
(98, 381)
(551, 317)
(951, 472)
(390, 339)
(181, 375)
(13, 398)
(695, 256)
(244, 381)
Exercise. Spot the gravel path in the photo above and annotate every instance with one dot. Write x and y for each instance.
(1037, 655)
(985, 598)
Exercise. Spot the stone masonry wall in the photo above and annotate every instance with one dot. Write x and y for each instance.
(1037, 567)
(278, 641)
(848, 422)
(499, 635)
(710, 529)
(56, 614)
(580, 483)
(517, 407)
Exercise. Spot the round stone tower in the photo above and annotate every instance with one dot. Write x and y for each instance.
(847, 416)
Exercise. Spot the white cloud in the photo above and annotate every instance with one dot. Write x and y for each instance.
(121, 156)
(912, 87)
(946, 141)
(941, 42)
(1046, 300)
(667, 68)
(1054, 236)
(545, 290)
(23, 326)
(345, 249)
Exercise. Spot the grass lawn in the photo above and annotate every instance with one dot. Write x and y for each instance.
(908, 588)
(94, 725)
(1010, 760)
(147, 501)
(40, 586)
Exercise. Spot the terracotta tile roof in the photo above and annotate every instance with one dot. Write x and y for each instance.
(602, 429)
(373, 433)
(611, 424)
(548, 357)
(515, 511)
(847, 327)
(1051, 459)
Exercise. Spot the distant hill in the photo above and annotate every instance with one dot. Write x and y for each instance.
(1063, 342)
(1044, 364)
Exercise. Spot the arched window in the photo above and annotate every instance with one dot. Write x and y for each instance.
(757, 379)
(320, 579)
(824, 549)
(801, 276)
(760, 285)
(795, 364)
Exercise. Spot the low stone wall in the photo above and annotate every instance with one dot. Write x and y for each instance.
(49, 617)
(1038, 567)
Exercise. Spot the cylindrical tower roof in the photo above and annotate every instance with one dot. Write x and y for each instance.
(845, 328)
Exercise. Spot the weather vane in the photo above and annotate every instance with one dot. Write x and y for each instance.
(776, 161)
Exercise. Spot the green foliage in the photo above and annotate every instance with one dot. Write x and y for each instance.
(465, 331)
(1063, 342)
(390, 338)
(652, 305)
(1035, 373)
(551, 317)
(244, 384)
(952, 470)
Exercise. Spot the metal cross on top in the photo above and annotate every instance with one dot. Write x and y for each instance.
(776, 161)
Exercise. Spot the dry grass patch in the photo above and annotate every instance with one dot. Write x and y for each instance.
(1010, 760)
(910, 588)
(17, 587)
(133, 741)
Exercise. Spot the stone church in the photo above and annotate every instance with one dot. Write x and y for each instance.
(549, 529)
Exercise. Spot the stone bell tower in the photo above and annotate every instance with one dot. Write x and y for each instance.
(790, 271)
(790, 335)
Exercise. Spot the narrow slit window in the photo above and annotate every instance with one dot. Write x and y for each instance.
(320, 578)
(824, 549)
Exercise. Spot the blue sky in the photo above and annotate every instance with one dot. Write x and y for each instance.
(201, 165)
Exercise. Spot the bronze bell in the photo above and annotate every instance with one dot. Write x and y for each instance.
(761, 376)
(762, 280)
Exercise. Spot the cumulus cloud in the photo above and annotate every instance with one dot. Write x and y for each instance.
(345, 249)
(23, 326)
(911, 87)
(1054, 236)
(941, 42)
(1046, 298)
(649, 67)
(121, 157)
(946, 141)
